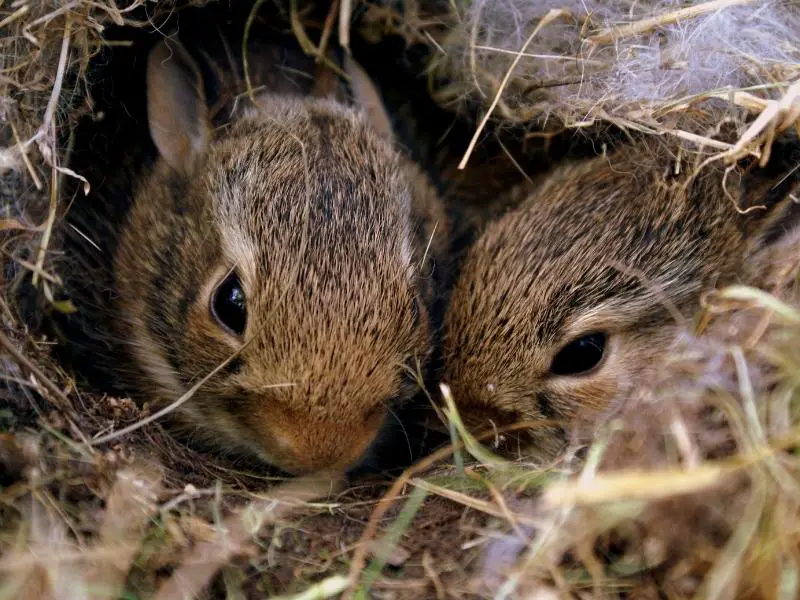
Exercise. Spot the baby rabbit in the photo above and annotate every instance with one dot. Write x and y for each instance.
(296, 237)
(568, 300)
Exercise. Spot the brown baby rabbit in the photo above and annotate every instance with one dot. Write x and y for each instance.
(567, 301)
(297, 237)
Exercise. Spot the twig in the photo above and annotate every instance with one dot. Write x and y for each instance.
(24, 153)
(390, 540)
(245, 37)
(546, 20)
(484, 506)
(556, 57)
(169, 408)
(24, 362)
(513, 160)
(65, 8)
(359, 558)
(327, 588)
(785, 110)
(15, 15)
(430, 571)
(55, 94)
(48, 125)
(48, 229)
(614, 34)
(307, 45)
(327, 29)
(345, 13)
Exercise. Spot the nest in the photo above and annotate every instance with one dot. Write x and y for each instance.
(664, 68)
(691, 489)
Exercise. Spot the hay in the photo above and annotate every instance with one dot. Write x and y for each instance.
(690, 490)
(698, 472)
(676, 68)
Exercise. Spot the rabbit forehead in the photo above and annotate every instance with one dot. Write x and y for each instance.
(522, 295)
(318, 183)
(324, 159)
(591, 247)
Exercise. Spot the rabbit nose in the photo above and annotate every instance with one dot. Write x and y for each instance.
(306, 448)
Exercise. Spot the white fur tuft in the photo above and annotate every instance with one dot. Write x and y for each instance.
(590, 63)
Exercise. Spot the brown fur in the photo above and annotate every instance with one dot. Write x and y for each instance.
(617, 244)
(328, 227)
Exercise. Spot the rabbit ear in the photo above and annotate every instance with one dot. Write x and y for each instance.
(176, 105)
(367, 96)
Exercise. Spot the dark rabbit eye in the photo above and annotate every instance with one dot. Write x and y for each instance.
(228, 305)
(580, 355)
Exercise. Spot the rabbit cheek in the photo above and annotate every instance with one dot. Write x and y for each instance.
(589, 394)
(206, 345)
(536, 427)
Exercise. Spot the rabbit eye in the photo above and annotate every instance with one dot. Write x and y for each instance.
(580, 355)
(228, 305)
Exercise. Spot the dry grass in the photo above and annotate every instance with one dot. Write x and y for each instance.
(691, 490)
(658, 68)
